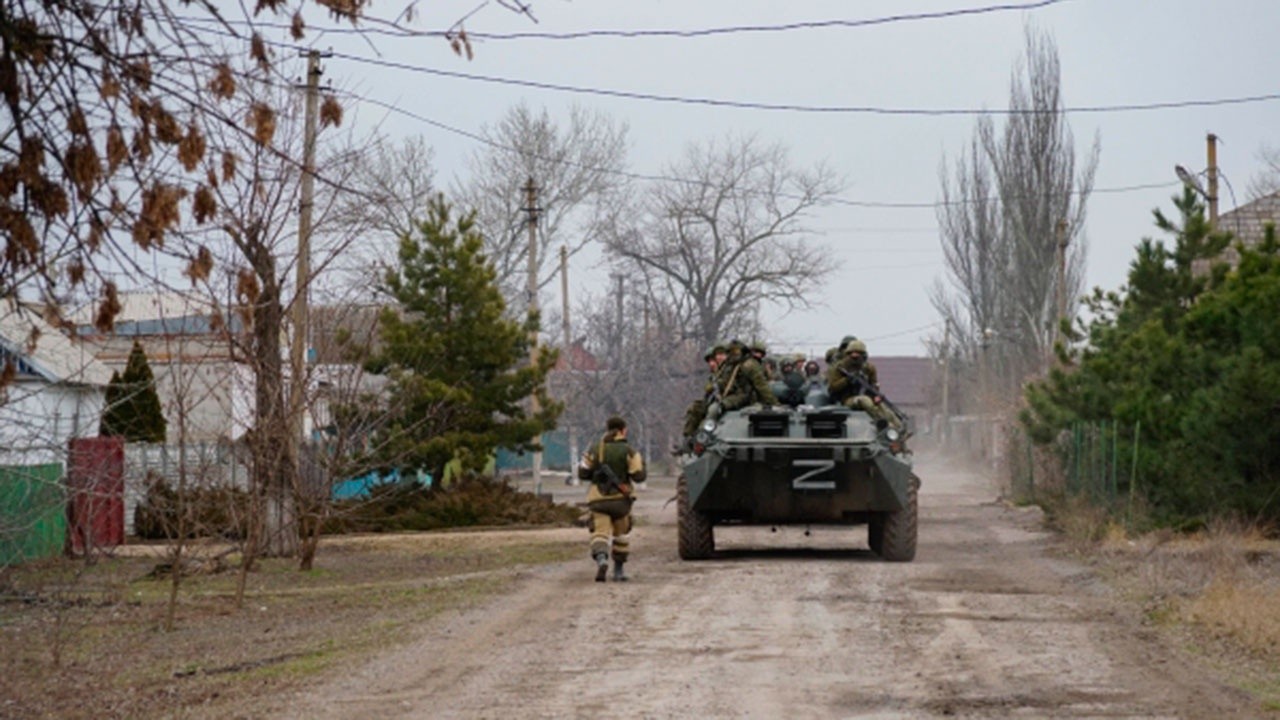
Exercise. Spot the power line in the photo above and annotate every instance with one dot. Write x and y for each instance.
(798, 108)
(784, 107)
(670, 178)
(395, 29)
(764, 28)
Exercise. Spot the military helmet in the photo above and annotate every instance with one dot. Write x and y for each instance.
(758, 346)
(831, 354)
(844, 341)
(711, 352)
(857, 346)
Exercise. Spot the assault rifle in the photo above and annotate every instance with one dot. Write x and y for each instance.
(863, 386)
(607, 480)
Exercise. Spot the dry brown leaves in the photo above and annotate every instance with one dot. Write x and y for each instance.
(228, 166)
(330, 112)
(200, 266)
(108, 308)
(23, 245)
(75, 271)
(223, 84)
(159, 212)
(83, 168)
(461, 44)
(247, 287)
(258, 52)
(262, 118)
(168, 131)
(109, 89)
(203, 205)
(191, 148)
(117, 150)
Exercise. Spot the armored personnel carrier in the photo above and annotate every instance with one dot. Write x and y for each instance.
(812, 463)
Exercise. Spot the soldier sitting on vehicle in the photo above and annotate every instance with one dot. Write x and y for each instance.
(715, 357)
(849, 384)
(744, 385)
(793, 386)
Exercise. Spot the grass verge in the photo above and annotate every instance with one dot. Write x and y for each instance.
(85, 641)
(1214, 593)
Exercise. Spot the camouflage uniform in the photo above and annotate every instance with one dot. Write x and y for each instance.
(868, 367)
(746, 384)
(794, 380)
(842, 388)
(698, 409)
(611, 506)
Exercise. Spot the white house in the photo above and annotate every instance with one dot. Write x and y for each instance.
(57, 393)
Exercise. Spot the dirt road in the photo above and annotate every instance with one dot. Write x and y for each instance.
(985, 623)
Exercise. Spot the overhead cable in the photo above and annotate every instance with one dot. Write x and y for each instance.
(669, 178)
(395, 29)
(798, 108)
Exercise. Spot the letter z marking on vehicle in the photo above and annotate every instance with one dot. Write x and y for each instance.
(819, 466)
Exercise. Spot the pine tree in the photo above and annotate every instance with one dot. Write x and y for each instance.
(133, 406)
(1193, 358)
(459, 367)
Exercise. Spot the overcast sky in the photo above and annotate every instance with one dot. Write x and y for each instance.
(1112, 52)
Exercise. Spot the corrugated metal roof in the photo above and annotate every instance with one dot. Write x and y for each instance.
(146, 305)
(56, 357)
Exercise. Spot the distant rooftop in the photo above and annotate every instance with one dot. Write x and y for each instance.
(905, 380)
(1248, 221)
(55, 357)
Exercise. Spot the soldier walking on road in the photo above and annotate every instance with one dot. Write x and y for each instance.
(613, 468)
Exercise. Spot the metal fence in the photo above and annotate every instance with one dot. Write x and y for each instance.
(1096, 460)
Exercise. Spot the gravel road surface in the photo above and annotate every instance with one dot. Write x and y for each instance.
(987, 622)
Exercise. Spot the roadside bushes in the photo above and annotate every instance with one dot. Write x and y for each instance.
(1189, 361)
(165, 514)
(473, 501)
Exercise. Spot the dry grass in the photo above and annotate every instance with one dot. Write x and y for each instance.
(1216, 593)
(115, 661)
(1245, 611)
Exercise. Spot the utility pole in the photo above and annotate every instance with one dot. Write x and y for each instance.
(946, 382)
(1212, 141)
(567, 353)
(564, 297)
(301, 330)
(532, 209)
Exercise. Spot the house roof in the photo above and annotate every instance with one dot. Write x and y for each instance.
(144, 305)
(905, 380)
(55, 357)
(578, 358)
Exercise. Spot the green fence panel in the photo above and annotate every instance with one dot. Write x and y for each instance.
(33, 514)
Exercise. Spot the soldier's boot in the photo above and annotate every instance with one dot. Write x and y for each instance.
(619, 575)
(602, 566)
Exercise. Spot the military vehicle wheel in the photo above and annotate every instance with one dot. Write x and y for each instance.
(875, 533)
(696, 540)
(898, 530)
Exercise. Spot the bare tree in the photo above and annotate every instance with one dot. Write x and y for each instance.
(1016, 194)
(1267, 180)
(729, 235)
(578, 171)
(253, 239)
(644, 368)
(381, 201)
